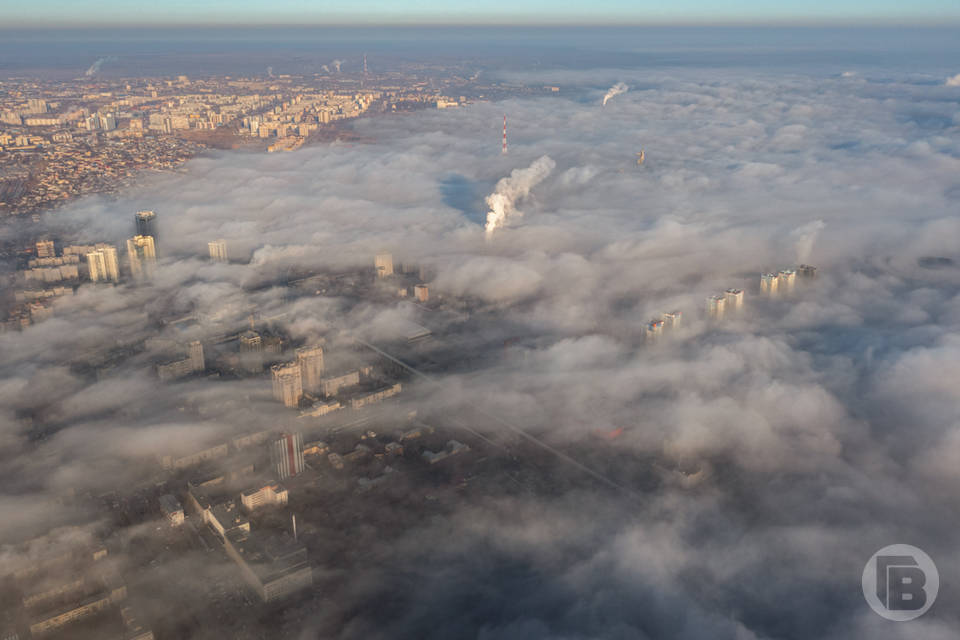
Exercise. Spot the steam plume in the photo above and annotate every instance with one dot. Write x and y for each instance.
(806, 236)
(513, 188)
(954, 81)
(95, 67)
(325, 68)
(615, 90)
(336, 65)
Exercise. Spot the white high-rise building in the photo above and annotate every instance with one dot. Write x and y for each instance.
(310, 360)
(103, 263)
(769, 283)
(143, 256)
(734, 299)
(716, 306)
(672, 319)
(787, 278)
(287, 383)
(384, 264)
(196, 356)
(218, 250)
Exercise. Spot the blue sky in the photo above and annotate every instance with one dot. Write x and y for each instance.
(103, 12)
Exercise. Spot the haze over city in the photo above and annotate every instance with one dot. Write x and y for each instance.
(423, 320)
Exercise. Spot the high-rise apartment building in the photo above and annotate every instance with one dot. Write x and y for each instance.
(716, 306)
(787, 278)
(769, 283)
(287, 455)
(310, 360)
(287, 383)
(734, 299)
(421, 292)
(196, 356)
(672, 319)
(146, 222)
(103, 264)
(143, 256)
(218, 250)
(384, 264)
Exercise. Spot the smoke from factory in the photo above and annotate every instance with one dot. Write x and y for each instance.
(806, 236)
(325, 68)
(509, 190)
(336, 65)
(615, 90)
(95, 67)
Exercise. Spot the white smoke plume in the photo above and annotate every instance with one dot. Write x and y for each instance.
(615, 90)
(805, 237)
(336, 65)
(270, 71)
(516, 186)
(325, 68)
(954, 81)
(95, 67)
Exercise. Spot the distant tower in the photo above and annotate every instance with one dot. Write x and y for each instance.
(504, 134)
(364, 64)
(641, 157)
(734, 298)
(310, 360)
(384, 264)
(768, 283)
(787, 278)
(716, 305)
(287, 455)
(146, 222)
(287, 383)
(196, 356)
(218, 250)
(143, 256)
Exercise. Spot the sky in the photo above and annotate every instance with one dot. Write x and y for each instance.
(109, 12)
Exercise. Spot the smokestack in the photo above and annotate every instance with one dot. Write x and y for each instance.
(504, 134)
(615, 90)
(515, 187)
(294, 516)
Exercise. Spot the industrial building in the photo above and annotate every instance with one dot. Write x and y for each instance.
(286, 455)
(273, 566)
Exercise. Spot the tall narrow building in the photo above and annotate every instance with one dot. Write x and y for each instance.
(734, 299)
(218, 250)
(103, 264)
(768, 283)
(143, 256)
(787, 278)
(196, 356)
(287, 383)
(716, 305)
(384, 264)
(310, 360)
(146, 222)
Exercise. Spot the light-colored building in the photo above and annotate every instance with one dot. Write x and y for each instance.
(45, 249)
(769, 284)
(103, 264)
(331, 386)
(384, 264)
(287, 383)
(268, 494)
(193, 363)
(218, 250)
(672, 319)
(421, 293)
(655, 329)
(384, 392)
(734, 299)
(310, 360)
(716, 306)
(143, 256)
(787, 278)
